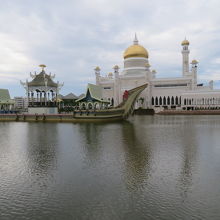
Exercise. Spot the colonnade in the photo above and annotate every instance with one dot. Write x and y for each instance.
(93, 105)
(165, 101)
(179, 101)
(41, 98)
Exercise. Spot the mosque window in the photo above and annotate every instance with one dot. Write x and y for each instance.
(168, 100)
(160, 101)
(164, 100)
(172, 101)
(152, 101)
(177, 100)
(156, 102)
(107, 87)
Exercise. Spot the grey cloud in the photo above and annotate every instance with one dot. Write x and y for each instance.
(72, 37)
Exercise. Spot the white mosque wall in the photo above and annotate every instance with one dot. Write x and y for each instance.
(162, 93)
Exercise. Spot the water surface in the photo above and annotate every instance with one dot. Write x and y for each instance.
(150, 167)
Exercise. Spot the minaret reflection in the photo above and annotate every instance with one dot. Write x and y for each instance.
(90, 140)
(189, 152)
(137, 156)
(42, 147)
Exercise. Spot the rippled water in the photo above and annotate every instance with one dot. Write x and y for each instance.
(151, 167)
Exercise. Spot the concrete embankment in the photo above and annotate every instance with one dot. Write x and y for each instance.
(192, 112)
(57, 118)
(36, 117)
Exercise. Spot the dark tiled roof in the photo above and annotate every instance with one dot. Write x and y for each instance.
(70, 96)
(39, 80)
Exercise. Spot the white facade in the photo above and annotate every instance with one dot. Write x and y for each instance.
(162, 93)
(21, 103)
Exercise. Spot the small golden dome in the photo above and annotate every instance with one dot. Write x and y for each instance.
(154, 71)
(185, 42)
(116, 67)
(194, 62)
(110, 74)
(135, 51)
(97, 68)
(147, 65)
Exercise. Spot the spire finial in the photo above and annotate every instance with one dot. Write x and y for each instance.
(135, 39)
(42, 66)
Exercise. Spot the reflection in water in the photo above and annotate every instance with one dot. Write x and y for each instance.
(137, 156)
(41, 147)
(90, 139)
(189, 146)
(142, 169)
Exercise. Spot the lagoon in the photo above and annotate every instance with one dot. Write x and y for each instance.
(149, 167)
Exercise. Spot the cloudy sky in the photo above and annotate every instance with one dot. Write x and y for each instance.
(72, 37)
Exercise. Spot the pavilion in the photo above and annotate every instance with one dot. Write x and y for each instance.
(42, 93)
(92, 99)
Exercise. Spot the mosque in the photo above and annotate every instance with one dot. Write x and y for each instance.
(180, 93)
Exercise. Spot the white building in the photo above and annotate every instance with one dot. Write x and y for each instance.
(162, 93)
(21, 103)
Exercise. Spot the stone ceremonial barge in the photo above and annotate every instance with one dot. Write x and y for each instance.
(120, 112)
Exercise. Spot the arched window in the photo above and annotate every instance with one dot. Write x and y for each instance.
(112, 102)
(152, 101)
(90, 106)
(184, 101)
(83, 106)
(160, 101)
(164, 100)
(172, 101)
(156, 101)
(177, 100)
(168, 100)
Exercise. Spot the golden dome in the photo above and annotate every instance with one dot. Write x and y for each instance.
(194, 62)
(185, 42)
(116, 67)
(97, 68)
(135, 50)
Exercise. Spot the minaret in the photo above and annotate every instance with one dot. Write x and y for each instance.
(185, 53)
(116, 85)
(194, 72)
(97, 74)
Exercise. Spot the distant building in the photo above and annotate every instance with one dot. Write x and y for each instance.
(67, 102)
(6, 103)
(42, 93)
(162, 93)
(21, 103)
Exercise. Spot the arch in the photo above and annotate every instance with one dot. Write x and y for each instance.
(172, 100)
(184, 101)
(96, 105)
(160, 101)
(164, 100)
(177, 100)
(112, 101)
(156, 102)
(168, 100)
(83, 106)
(152, 101)
(89, 105)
